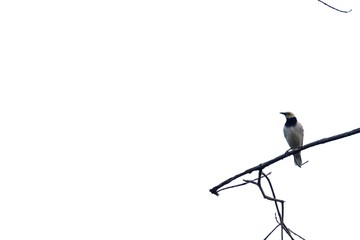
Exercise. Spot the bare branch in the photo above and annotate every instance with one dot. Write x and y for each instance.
(289, 229)
(242, 184)
(272, 231)
(334, 7)
(267, 197)
(215, 190)
(280, 212)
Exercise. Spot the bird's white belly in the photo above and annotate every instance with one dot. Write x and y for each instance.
(293, 137)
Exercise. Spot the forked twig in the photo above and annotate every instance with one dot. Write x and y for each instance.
(242, 184)
(280, 211)
(290, 229)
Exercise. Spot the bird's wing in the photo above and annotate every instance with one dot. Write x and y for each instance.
(301, 132)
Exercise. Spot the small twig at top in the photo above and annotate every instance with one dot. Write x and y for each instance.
(334, 7)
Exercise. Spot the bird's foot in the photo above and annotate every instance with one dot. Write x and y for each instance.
(292, 149)
(289, 150)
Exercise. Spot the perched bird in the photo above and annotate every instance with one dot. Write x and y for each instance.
(294, 134)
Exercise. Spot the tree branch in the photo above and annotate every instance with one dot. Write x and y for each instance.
(287, 229)
(334, 7)
(276, 201)
(242, 184)
(215, 190)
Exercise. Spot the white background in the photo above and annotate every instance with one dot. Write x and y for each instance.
(118, 117)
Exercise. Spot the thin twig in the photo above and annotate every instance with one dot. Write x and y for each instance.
(273, 192)
(297, 234)
(272, 231)
(282, 221)
(242, 184)
(290, 229)
(281, 215)
(263, 192)
(334, 7)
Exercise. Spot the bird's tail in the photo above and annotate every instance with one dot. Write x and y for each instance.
(297, 159)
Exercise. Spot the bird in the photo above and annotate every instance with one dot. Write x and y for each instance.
(294, 134)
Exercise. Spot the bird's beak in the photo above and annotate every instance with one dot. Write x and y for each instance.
(282, 113)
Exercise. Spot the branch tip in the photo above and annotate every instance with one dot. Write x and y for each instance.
(214, 191)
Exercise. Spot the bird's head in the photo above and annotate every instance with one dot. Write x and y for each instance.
(288, 114)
